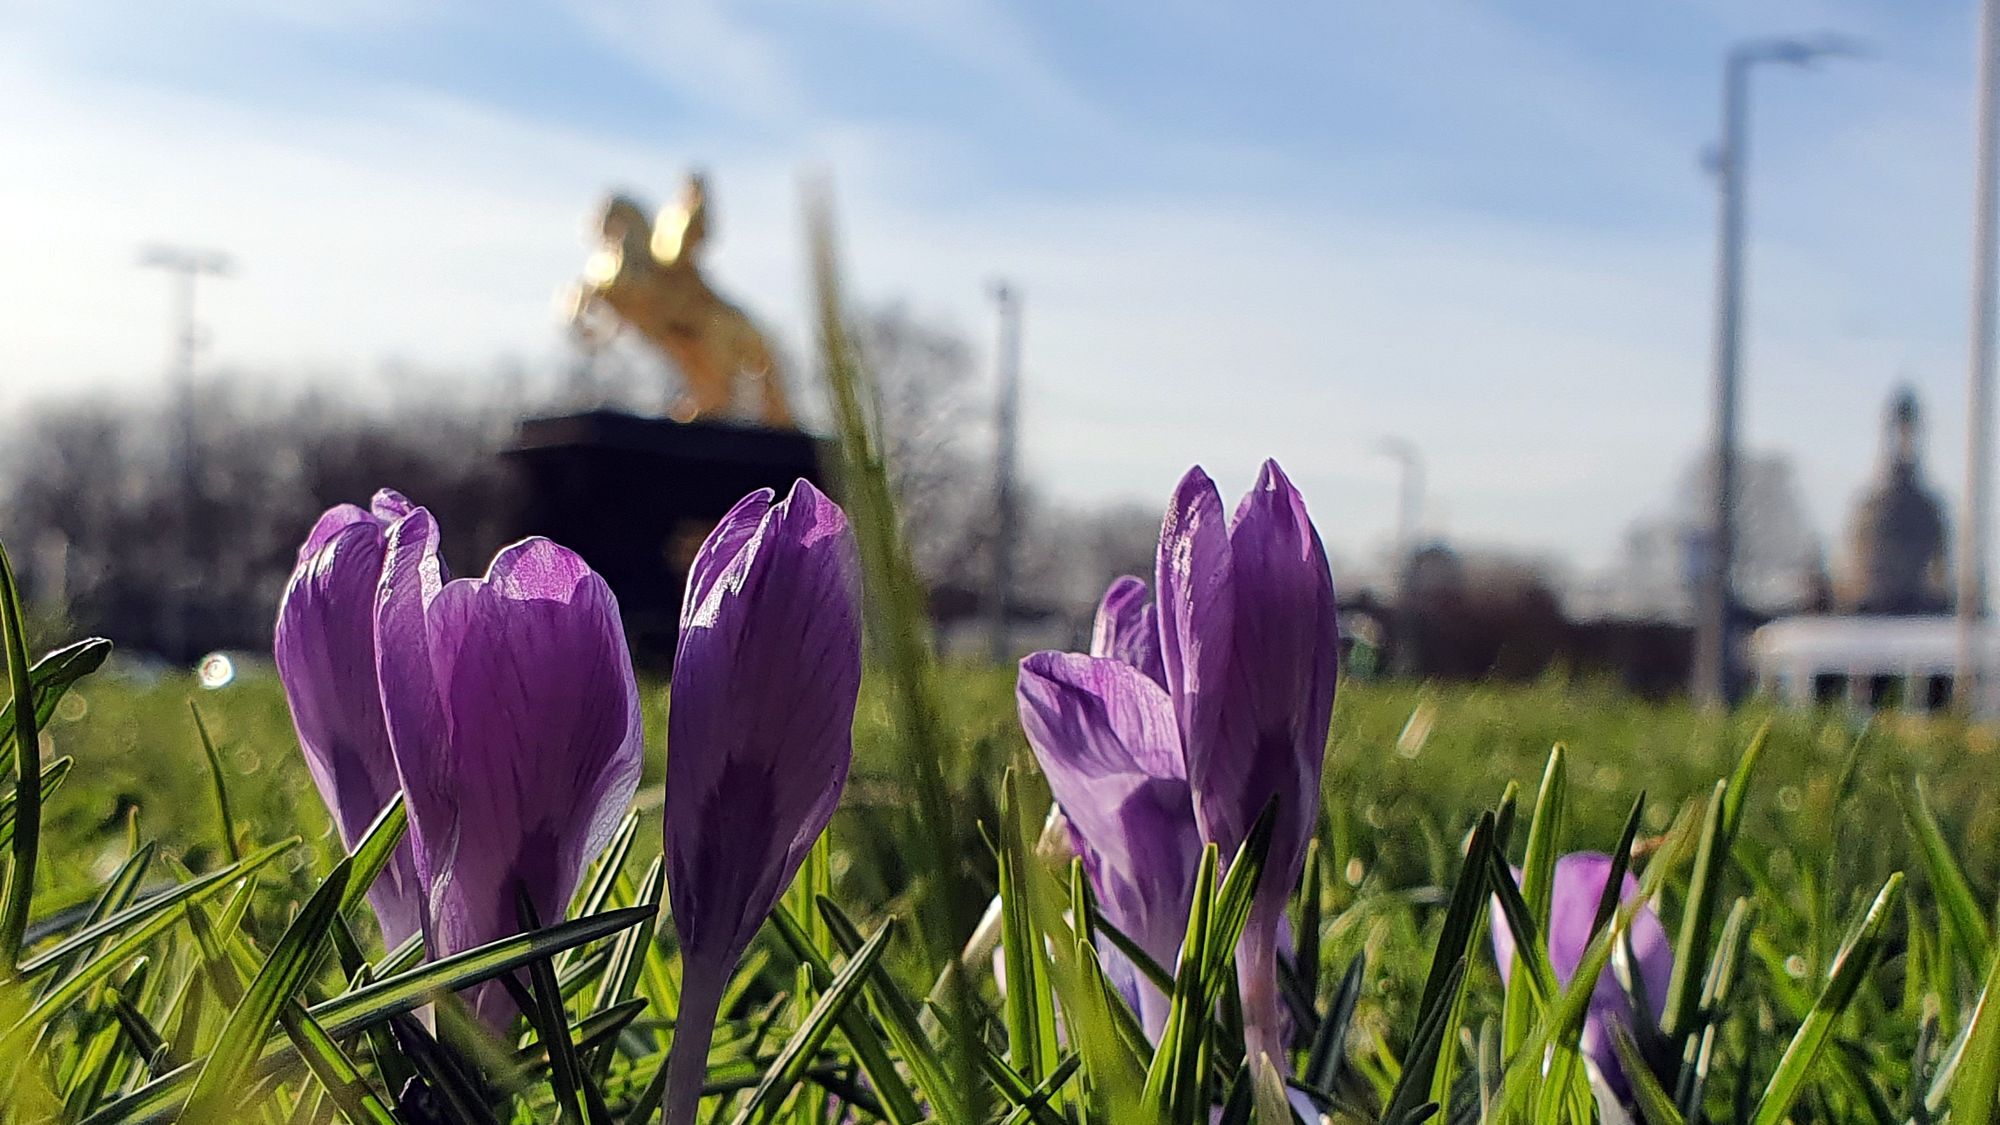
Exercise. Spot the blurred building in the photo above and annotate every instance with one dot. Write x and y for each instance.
(1886, 639)
(1897, 539)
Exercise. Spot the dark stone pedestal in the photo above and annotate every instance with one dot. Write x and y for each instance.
(636, 497)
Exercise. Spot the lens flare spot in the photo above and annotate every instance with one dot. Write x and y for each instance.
(216, 670)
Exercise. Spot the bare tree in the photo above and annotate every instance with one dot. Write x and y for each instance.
(92, 496)
(1777, 551)
(932, 424)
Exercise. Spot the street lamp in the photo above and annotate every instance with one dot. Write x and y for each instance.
(1716, 675)
(1968, 691)
(1409, 493)
(1006, 467)
(185, 267)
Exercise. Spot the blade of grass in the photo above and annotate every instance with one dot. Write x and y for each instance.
(1976, 1077)
(220, 1081)
(52, 676)
(1655, 1107)
(1705, 891)
(1530, 983)
(337, 1074)
(580, 1101)
(221, 784)
(389, 997)
(1850, 967)
(1029, 1008)
(372, 854)
(900, 1019)
(788, 1068)
(898, 1103)
(152, 907)
(20, 887)
(131, 941)
(1440, 1008)
(899, 628)
(1964, 922)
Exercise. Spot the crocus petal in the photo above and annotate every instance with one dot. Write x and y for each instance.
(515, 720)
(1127, 628)
(1197, 610)
(1284, 664)
(724, 544)
(1573, 898)
(325, 651)
(1102, 732)
(1107, 742)
(412, 574)
(388, 505)
(761, 716)
(759, 737)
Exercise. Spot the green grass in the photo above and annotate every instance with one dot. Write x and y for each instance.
(1409, 771)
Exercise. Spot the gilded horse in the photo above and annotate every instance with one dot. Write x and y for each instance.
(648, 274)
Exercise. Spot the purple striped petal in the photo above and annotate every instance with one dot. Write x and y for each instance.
(762, 712)
(1127, 628)
(1197, 611)
(514, 717)
(324, 645)
(1107, 742)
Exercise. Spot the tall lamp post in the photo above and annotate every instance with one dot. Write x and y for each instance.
(1715, 672)
(185, 268)
(1979, 383)
(1006, 447)
(1409, 493)
(1409, 510)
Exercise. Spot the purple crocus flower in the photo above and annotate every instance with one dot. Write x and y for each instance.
(1106, 740)
(1251, 648)
(759, 738)
(1573, 898)
(325, 649)
(1215, 703)
(1103, 729)
(514, 717)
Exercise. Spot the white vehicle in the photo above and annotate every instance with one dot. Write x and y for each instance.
(1874, 663)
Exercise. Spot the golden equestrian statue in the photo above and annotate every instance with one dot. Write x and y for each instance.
(647, 276)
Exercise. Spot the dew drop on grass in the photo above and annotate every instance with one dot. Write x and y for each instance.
(1795, 966)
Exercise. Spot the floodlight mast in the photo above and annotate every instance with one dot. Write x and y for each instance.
(1006, 470)
(185, 268)
(1968, 687)
(1717, 677)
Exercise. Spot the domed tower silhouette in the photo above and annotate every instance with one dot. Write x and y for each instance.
(1896, 540)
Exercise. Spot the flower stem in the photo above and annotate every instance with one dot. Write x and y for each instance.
(694, 1028)
(1263, 1011)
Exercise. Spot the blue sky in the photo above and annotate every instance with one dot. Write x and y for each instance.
(1241, 230)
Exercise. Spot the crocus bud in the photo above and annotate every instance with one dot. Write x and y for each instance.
(759, 738)
(1250, 646)
(325, 649)
(1105, 737)
(1127, 628)
(1574, 894)
(514, 718)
